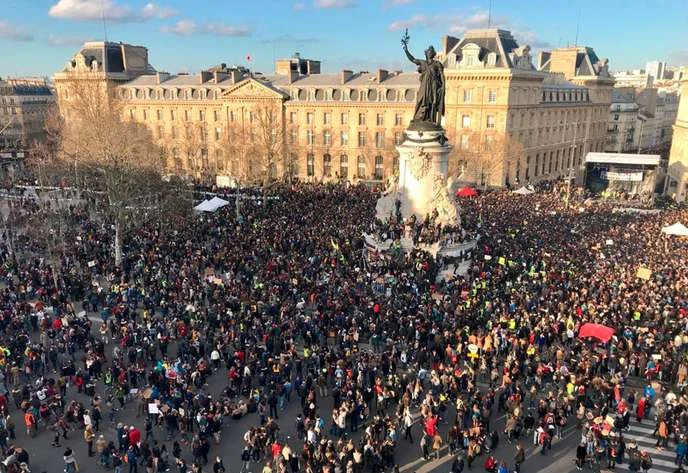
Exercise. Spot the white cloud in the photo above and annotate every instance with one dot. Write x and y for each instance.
(334, 3)
(151, 10)
(398, 3)
(221, 29)
(189, 27)
(181, 28)
(95, 10)
(8, 31)
(458, 24)
(299, 6)
(67, 40)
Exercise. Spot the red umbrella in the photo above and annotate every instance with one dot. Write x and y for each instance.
(466, 192)
(598, 331)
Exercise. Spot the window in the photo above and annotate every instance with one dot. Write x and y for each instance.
(250, 116)
(173, 115)
(490, 121)
(310, 165)
(293, 136)
(616, 116)
(467, 96)
(361, 167)
(131, 113)
(527, 167)
(218, 133)
(465, 121)
(361, 138)
(158, 114)
(344, 166)
(292, 117)
(398, 119)
(549, 163)
(537, 163)
(361, 119)
(327, 165)
(463, 142)
(398, 138)
(380, 119)
(379, 164)
(309, 137)
(173, 132)
(145, 114)
(518, 170)
(345, 118)
(344, 138)
(309, 118)
(542, 169)
(327, 118)
(491, 96)
(469, 61)
(161, 131)
(379, 140)
(327, 138)
(215, 115)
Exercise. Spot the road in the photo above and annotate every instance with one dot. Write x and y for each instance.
(47, 459)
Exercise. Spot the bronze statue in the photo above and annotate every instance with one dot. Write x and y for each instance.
(430, 96)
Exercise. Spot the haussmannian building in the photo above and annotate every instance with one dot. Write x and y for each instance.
(677, 180)
(24, 106)
(346, 125)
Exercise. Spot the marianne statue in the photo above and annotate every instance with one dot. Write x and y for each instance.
(430, 97)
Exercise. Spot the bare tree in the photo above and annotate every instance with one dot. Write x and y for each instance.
(116, 160)
(483, 158)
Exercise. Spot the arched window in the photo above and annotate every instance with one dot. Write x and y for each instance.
(310, 165)
(361, 167)
(395, 165)
(344, 166)
(379, 164)
(327, 165)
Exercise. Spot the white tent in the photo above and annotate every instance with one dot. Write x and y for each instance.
(524, 191)
(678, 229)
(218, 203)
(205, 206)
(211, 205)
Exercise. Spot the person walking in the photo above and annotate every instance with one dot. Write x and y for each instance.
(408, 424)
(581, 453)
(71, 465)
(89, 436)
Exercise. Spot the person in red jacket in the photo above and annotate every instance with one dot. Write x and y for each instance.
(134, 436)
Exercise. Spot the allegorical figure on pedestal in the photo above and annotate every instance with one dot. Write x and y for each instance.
(430, 96)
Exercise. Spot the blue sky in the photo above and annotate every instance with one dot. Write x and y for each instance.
(38, 36)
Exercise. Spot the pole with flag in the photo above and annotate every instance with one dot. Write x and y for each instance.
(248, 63)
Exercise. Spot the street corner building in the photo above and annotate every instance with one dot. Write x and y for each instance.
(547, 111)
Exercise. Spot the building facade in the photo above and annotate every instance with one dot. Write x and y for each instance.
(24, 105)
(677, 180)
(623, 117)
(346, 125)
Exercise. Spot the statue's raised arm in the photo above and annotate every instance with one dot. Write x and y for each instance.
(432, 87)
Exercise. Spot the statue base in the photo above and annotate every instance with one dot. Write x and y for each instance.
(422, 183)
(422, 188)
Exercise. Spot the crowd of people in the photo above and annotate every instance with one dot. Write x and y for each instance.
(287, 306)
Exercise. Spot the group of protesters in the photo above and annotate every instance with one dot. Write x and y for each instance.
(288, 305)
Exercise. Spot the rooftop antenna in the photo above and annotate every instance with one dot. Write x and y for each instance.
(102, 14)
(489, 15)
(577, 26)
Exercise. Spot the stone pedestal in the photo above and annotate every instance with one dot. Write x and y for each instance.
(422, 184)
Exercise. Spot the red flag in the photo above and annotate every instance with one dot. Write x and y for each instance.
(248, 57)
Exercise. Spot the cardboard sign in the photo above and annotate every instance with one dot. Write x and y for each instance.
(153, 409)
(644, 273)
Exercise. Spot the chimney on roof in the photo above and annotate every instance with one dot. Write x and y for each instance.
(382, 75)
(345, 76)
(292, 76)
(235, 75)
(161, 77)
(448, 43)
(204, 77)
(219, 76)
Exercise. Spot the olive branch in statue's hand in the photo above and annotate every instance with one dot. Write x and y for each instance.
(405, 39)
